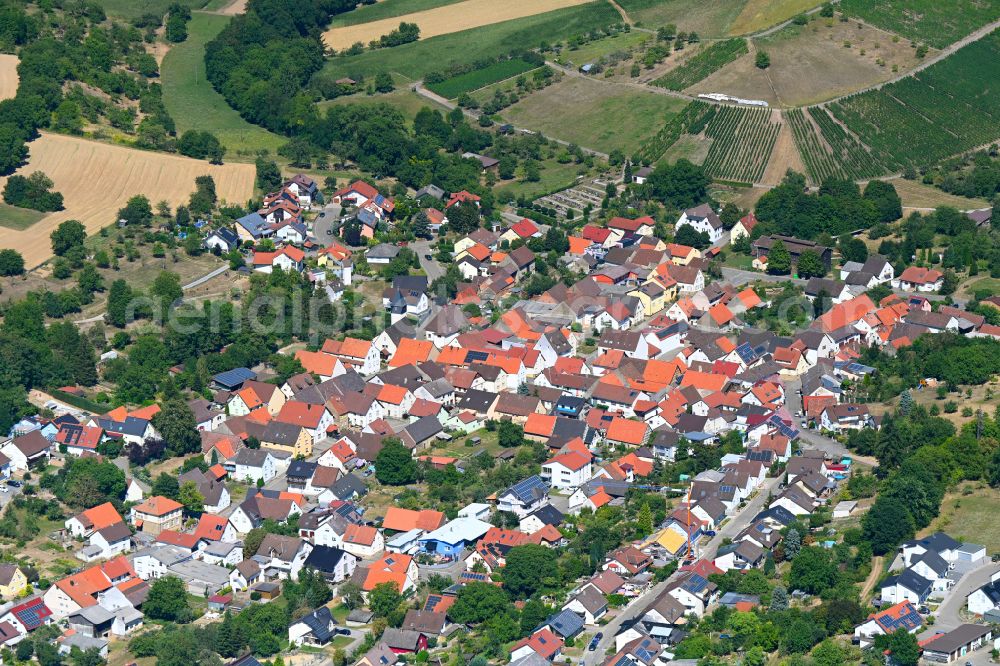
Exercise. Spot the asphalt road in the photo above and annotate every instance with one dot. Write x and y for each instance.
(811, 439)
(948, 612)
(638, 606)
(430, 266)
(328, 218)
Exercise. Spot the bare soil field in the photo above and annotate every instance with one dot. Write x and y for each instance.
(814, 63)
(96, 179)
(785, 156)
(8, 75)
(447, 19)
(233, 8)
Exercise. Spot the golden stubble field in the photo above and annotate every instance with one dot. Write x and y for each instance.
(446, 19)
(96, 179)
(8, 75)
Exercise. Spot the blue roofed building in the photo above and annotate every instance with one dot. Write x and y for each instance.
(449, 540)
(232, 380)
(253, 227)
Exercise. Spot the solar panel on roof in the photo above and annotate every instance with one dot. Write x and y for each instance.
(696, 583)
(474, 356)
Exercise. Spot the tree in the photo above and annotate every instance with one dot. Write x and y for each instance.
(644, 522)
(730, 215)
(810, 265)
(229, 639)
(168, 600)
(201, 145)
(191, 498)
(268, 175)
(813, 570)
(904, 648)
(32, 192)
(119, 302)
(137, 212)
(828, 653)
(383, 82)
(886, 200)
(681, 184)
(792, 543)
(11, 263)
(510, 435)
(887, 524)
(176, 424)
(949, 283)
(67, 235)
(351, 595)
(905, 402)
(779, 598)
(528, 569)
(394, 464)
(464, 218)
(384, 599)
(762, 60)
(252, 541)
(89, 279)
(852, 249)
(166, 289)
(779, 260)
(166, 485)
(477, 602)
(688, 235)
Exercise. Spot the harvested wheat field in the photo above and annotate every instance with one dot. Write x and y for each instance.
(446, 19)
(8, 75)
(96, 179)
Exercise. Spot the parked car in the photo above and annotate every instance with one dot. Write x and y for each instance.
(595, 641)
(14, 482)
(429, 257)
(709, 533)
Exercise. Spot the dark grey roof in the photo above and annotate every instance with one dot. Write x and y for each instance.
(956, 639)
(284, 434)
(324, 558)
(320, 622)
(420, 430)
(477, 401)
(565, 623)
(549, 515)
(910, 580)
(529, 490)
(348, 486)
(301, 469)
(934, 562)
(937, 542)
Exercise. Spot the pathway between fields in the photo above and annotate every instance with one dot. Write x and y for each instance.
(621, 10)
(873, 577)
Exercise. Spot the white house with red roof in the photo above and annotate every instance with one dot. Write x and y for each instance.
(567, 470)
(287, 259)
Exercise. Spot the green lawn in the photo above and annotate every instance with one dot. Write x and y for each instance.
(594, 114)
(13, 217)
(599, 48)
(992, 284)
(386, 9)
(192, 101)
(553, 176)
(970, 518)
(131, 9)
(414, 60)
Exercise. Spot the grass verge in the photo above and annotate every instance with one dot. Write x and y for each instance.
(193, 102)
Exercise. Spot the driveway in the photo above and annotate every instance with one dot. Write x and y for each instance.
(739, 277)
(948, 612)
(638, 607)
(329, 218)
(430, 266)
(811, 439)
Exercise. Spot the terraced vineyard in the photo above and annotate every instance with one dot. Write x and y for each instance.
(948, 108)
(830, 151)
(743, 141)
(702, 64)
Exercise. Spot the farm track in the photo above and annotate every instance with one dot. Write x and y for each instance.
(8, 76)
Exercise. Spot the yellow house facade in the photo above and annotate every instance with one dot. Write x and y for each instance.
(12, 581)
(652, 296)
(289, 438)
